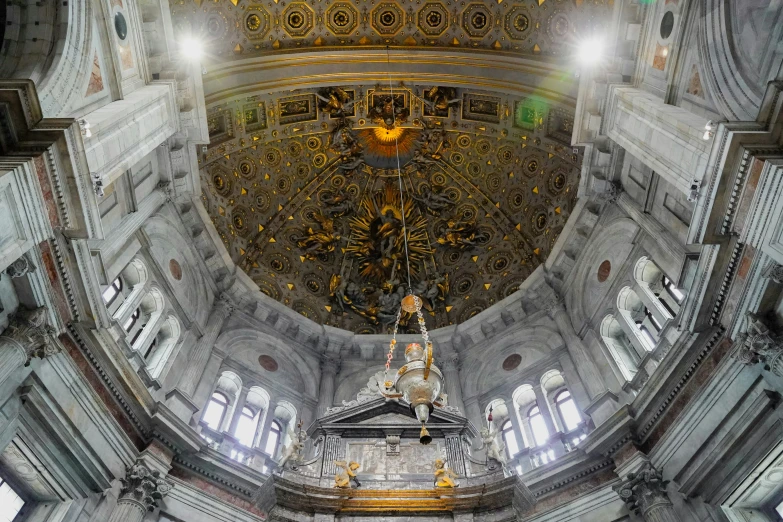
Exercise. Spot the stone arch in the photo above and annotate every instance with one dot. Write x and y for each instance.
(731, 36)
(532, 342)
(245, 345)
(54, 54)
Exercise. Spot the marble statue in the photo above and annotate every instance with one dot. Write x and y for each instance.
(343, 479)
(496, 450)
(292, 452)
(444, 477)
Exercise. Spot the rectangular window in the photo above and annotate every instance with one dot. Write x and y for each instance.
(10, 502)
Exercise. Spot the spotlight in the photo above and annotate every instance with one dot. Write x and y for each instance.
(191, 48)
(591, 50)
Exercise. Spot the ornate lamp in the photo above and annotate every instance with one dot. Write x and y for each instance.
(419, 381)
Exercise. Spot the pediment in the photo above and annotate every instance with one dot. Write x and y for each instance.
(391, 418)
(380, 415)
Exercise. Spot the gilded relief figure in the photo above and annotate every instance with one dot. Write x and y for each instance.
(462, 234)
(444, 477)
(439, 99)
(347, 475)
(388, 110)
(336, 102)
(317, 242)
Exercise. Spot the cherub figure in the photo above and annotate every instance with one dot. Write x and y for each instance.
(292, 452)
(444, 477)
(496, 450)
(343, 479)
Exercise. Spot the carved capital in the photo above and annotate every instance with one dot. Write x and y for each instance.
(758, 345)
(21, 267)
(29, 330)
(451, 361)
(143, 486)
(774, 272)
(553, 306)
(613, 192)
(644, 490)
(165, 188)
(226, 304)
(329, 364)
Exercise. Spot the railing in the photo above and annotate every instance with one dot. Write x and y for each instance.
(229, 446)
(558, 445)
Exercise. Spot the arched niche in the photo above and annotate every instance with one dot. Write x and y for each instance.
(620, 347)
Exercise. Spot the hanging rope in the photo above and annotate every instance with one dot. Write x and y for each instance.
(399, 175)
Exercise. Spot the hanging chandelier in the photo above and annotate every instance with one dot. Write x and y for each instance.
(419, 382)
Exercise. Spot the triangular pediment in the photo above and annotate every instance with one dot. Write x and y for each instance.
(391, 418)
(382, 411)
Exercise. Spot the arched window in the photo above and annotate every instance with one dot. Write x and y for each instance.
(275, 430)
(567, 410)
(246, 427)
(538, 426)
(510, 439)
(128, 326)
(215, 410)
(112, 291)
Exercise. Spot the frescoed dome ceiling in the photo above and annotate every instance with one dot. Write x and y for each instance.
(303, 189)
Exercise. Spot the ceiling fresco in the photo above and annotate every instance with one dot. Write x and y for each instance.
(238, 28)
(304, 191)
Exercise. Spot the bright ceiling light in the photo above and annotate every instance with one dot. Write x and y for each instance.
(192, 48)
(591, 50)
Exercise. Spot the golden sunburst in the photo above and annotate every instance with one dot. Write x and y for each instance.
(377, 241)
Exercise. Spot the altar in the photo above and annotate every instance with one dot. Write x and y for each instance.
(395, 471)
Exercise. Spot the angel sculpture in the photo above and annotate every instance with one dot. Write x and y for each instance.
(316, 242)
(292, 452)
(440, 98)
(343, 479)
(444, 477)
(496, 450)
(335, 101)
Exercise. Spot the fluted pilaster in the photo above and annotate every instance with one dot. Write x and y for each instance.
(329, 366)
(200, 355)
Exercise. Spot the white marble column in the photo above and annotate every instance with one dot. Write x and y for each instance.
(27, 336)
(240, 404)
(453, 385)
(329, 368)
(546, 412)
(270, 416)
(644, 492)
